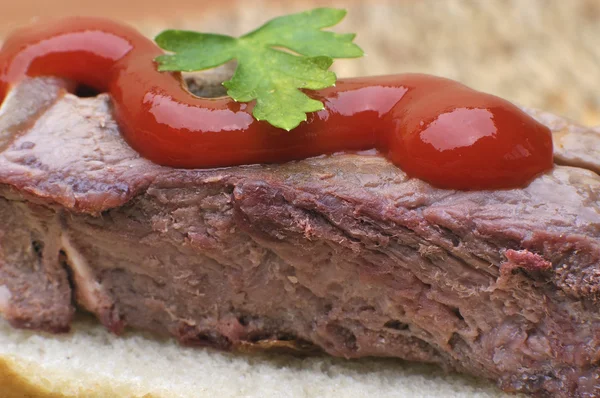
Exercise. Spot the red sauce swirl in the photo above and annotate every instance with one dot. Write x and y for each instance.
(433, 128)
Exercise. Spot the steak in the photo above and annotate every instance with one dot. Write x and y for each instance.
(341, 253)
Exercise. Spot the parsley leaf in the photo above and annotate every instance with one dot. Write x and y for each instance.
(265, 71)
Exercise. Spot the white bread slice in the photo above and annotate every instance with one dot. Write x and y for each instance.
(537, 53)
(90, 362)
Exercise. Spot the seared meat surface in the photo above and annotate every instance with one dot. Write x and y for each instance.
(343, 253)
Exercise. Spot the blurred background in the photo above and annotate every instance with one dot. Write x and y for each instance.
(537, 53)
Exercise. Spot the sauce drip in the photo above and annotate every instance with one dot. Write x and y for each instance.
(433, 128)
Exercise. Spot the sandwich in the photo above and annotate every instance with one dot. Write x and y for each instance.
(344, 253)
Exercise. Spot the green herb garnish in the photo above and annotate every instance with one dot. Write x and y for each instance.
(265, 71)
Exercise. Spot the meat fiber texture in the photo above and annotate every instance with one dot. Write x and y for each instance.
(343, 254)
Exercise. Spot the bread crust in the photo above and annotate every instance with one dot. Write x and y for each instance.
(14, 383)
(22, 379)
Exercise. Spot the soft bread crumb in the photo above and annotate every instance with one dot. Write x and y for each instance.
(90, 362)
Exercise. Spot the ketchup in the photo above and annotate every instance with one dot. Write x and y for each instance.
(433, 128)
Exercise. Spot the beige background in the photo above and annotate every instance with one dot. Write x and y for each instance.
(539, 53)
